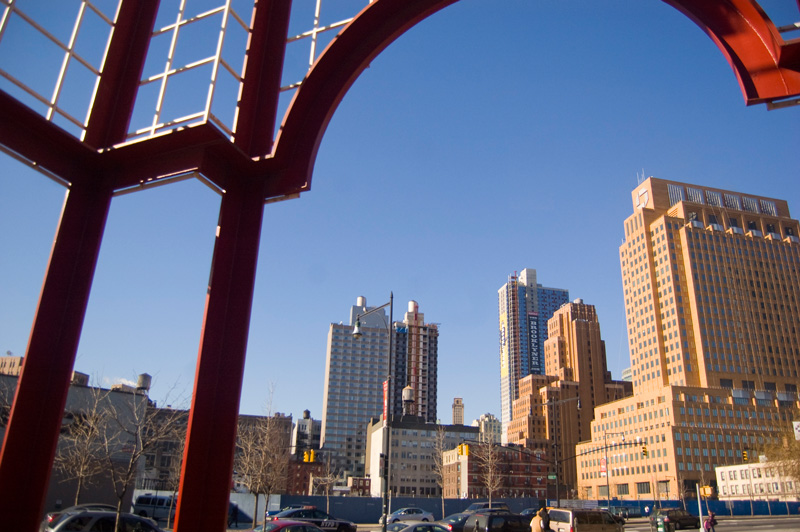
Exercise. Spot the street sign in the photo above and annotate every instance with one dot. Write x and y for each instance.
(551, 477)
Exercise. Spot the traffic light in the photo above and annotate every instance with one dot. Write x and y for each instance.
(311, 455)
(644, 451)
(744, 455)
(306, 456)
(460, 448)
(466, 449)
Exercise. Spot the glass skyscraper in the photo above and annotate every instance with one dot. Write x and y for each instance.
(524, 308)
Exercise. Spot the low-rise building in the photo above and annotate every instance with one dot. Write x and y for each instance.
(757, 481)
(473, 470)
(413, 443)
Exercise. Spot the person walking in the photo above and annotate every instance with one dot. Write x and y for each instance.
(544, 519)
(710, 522)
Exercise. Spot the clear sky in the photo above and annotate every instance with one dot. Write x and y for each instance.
(494, 136)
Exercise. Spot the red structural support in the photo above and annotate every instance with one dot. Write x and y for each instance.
(33, 428)
(208, 458)
(248, 171)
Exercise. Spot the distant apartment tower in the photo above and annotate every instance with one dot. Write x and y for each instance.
(458, 411)
(306, 434)
(353, 392)
(416, 355)
(524, 308)
(489, 427)
(711, 281)
(355, 370)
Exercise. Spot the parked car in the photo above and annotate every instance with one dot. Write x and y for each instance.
(617, 512)
(155, 506)
(454, 522)
(289, 507)
(421, 526)
(410, 513)
(497, 521)
(578, 520)
(310, 514)
(102, 521)
(51, 519)
(475, 506)
(677, 517)
(287, 525)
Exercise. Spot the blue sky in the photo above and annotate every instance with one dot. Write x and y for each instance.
(494, 136)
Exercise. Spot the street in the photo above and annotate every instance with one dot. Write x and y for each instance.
(779, 523)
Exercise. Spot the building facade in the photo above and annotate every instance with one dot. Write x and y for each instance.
(757, 481)
(475, 470)
(711, 289)
(306, 434)
(413, 444)
(490, 428)
(524, 308)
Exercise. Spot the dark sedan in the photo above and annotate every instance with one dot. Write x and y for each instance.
(455, 522)
(679, 519)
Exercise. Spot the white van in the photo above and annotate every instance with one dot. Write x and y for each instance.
(577, 520)
(155, 506)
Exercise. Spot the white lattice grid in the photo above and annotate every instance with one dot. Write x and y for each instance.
(52, 54)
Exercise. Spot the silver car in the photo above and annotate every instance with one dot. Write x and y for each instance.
(410, 513)
(97, 521)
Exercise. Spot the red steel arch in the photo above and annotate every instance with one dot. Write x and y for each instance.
(250, 170)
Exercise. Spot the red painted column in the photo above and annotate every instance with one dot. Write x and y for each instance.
(208, 458)
(32, 433)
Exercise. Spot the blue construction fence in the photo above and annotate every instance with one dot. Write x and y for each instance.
(368, 509)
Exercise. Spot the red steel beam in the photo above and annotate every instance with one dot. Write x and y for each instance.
(258, 105)
(33, 428)
(122, 70)
(766, 67)
(208, 457)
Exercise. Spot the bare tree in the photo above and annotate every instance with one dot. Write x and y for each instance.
(262, 455)
(487, 457)
(439, 447)
(134, 428)
(786, 451)
(80, 453)
(328, 479)
(173, 477)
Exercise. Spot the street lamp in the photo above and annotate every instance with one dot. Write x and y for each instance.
(387, 394)
(553, 403)
(608, 469)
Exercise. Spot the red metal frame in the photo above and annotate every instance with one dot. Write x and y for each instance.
(250, 170)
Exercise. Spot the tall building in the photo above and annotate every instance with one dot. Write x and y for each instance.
(711, 290)
(355, 371)
(458, 411)
(554, 411)
(416, 353)
(524, 308)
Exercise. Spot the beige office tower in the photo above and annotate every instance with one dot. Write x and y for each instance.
(711, 290)
(554, 411)
(458, 411)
